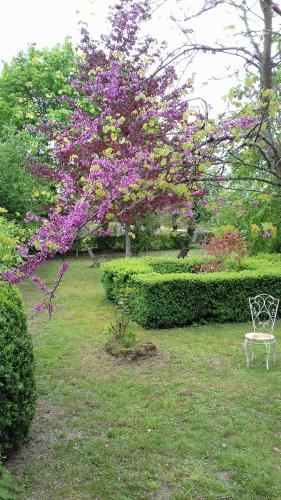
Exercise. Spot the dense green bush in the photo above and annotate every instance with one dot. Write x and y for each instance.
(171, 265)
(166, 292)
(175, 300)
(17, 386)
(168, 241)
(117, 273)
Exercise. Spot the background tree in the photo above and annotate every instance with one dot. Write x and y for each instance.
(10, 236)
(32, 84)
(257, 45)
(20, 191)
(31, 88)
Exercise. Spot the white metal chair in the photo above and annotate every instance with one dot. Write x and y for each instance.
(264, 311)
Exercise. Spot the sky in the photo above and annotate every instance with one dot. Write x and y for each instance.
(48, 22)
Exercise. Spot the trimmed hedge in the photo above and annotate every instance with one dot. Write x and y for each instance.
(116, 273)
(181, 300)
(181, 297)
(17, 386)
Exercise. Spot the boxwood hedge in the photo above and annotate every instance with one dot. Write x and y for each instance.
(168, 292)
(17, 386)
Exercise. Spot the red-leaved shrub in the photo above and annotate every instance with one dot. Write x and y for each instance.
(230, 244)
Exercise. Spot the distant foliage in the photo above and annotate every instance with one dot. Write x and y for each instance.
(10, 237)
(31, 85)
(141, 242)
(211, 267)
(31, 88)
(256, 216)
(16, 184)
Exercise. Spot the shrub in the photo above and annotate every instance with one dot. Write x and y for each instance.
(165, 292)
(168, 241)
(120, 331)
(117, 272)
(230, 244)
(17, 386)
(177, 300)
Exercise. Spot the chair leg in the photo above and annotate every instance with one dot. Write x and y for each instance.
(252, 352)
(267, 348)
(274, 352)
(247, 354)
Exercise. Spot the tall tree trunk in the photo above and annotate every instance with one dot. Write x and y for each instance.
(128, 242)
(266, 73)
(266, 62)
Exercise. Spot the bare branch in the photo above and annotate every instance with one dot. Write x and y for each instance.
(244, 17)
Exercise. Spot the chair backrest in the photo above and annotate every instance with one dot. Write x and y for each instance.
(264, 311)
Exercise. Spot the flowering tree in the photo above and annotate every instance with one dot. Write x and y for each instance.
(132, 146)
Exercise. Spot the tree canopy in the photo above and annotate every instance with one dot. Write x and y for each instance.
(31, 85)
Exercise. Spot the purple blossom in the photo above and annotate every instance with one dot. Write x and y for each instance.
(203, 203)
(221, 200)
(64, 267)
(23, 250)
(31, 217)
(255, 203)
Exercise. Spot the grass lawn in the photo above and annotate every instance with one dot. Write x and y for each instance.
(192, 423)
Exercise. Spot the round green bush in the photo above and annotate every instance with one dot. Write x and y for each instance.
(17, 385)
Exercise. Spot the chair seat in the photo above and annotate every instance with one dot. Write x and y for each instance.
(259, 337)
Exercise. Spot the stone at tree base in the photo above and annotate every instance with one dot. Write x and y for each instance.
(142, 349)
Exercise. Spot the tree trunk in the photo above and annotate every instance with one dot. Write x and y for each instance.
(128, 245)
(175, 222)
(266, 73)
(266, 63)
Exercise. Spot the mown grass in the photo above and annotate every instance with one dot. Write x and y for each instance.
(192, 423)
